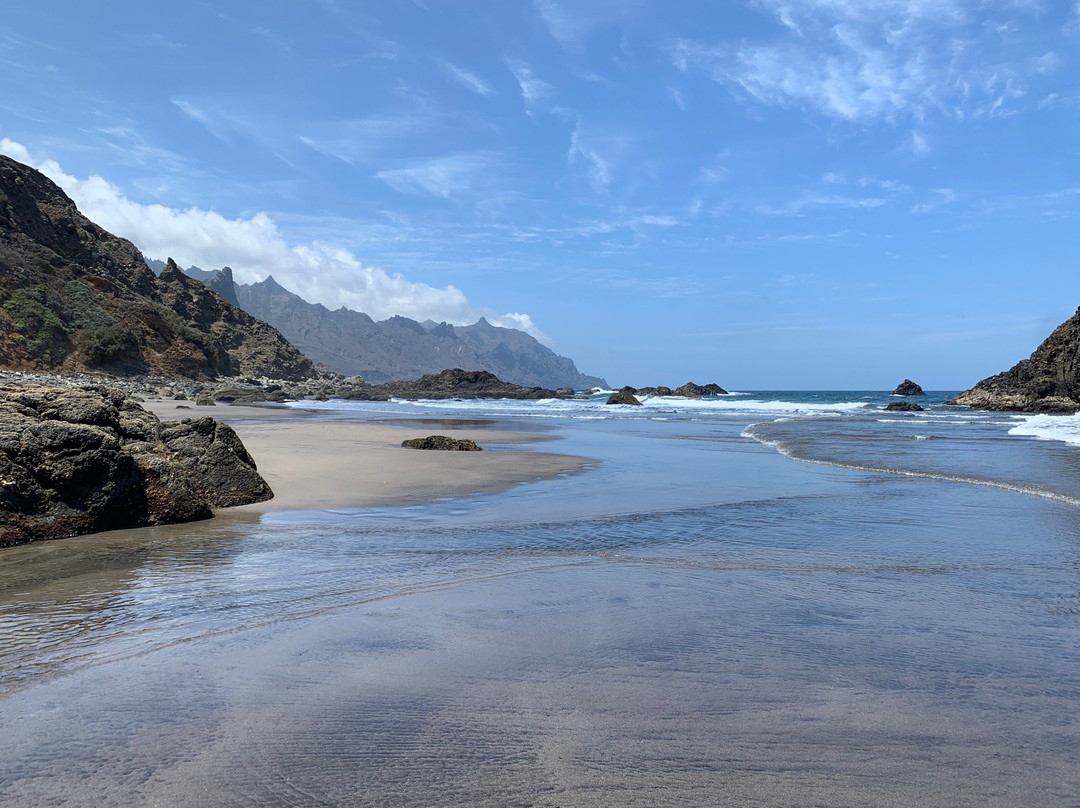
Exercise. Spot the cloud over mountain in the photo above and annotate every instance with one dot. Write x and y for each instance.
(255, 248)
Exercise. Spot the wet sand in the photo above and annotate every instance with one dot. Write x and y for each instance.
(314, 463)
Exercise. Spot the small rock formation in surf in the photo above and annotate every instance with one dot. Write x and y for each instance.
(1047, 381)
(453, 383)
(443, 443)
(624, 396)
(908, 388)
(79, 460)
(904, 406)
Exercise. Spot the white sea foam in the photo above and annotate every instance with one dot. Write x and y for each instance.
(1064, 428)
(1031, 491)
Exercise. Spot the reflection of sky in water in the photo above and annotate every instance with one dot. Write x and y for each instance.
(695, 611)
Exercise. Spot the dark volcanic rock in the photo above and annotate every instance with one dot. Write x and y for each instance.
(908, 388)
(84, 459)
(1047, 381)
(455, 383)
(691, 390)
(75, 297)
(904, 406)
(654, 391)
(442, 442)
(623, 396)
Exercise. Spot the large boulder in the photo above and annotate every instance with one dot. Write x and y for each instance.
(84, 459)
(908, 388)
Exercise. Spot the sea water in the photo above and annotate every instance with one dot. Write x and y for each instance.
(760, 599)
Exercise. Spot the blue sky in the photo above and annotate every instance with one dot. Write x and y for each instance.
(766, 194)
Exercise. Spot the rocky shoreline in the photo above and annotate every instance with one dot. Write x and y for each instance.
(1046, 382)
(78, 459)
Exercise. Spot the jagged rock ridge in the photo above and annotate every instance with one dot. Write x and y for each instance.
(75, 297)
(1047, 381)
(399, 348)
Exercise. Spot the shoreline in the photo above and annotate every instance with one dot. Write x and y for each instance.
(314, 463)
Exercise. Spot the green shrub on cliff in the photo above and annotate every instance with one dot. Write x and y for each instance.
(38, 319)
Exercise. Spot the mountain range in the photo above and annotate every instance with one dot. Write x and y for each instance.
(398, 348)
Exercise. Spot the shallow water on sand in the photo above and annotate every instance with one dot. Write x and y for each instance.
(698, 619)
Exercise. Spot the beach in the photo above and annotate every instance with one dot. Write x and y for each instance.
(313, 463)
(695, 616)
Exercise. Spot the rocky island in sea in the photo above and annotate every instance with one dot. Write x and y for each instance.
(1047, 381)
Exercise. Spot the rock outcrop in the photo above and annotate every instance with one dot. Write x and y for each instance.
(624, 396)
(454, 383)
(79, 460)
(908, 388)
(442, 443)
(904, 406)
(75, 297)
(1048, 381)
(691, 390)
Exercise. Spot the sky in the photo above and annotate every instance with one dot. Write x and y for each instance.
(768, 194)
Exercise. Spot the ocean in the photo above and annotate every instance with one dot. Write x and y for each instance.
(769, 598)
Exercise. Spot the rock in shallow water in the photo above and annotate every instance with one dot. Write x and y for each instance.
(442, 442)
(903, 406)
(79, 460)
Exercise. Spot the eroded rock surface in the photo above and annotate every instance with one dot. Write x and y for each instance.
(1047, 381)
(443, 443)
(79, 460)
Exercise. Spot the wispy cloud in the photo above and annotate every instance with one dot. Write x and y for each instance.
(255, 247)
(443, 177)
(942, 196)
(534, 90)
(570, 22)
(470, 81)
(815, 200)
(601, 151)
(876, 60)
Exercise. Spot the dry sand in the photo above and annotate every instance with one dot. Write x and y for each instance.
(315, 463)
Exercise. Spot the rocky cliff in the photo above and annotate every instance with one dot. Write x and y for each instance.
(84, 459)
(1047, 381)
(398, 348)
(73, 296)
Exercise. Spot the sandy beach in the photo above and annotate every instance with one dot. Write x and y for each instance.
(313, 463)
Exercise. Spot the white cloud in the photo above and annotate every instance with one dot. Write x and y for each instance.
(466, 79)
(255, 248)
(533, 89)
(942, 196)
(877, 60)
(833, 178)
(813, 200)
(440, 176)
(570, 23)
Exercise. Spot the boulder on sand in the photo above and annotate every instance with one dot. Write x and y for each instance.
(443, 443)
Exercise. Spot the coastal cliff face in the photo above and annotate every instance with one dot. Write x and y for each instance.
(84, 459)
(1047, 381)
(75, 297)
